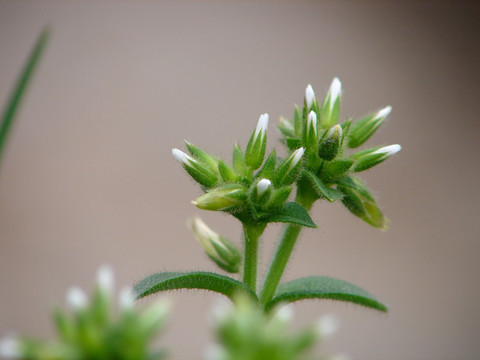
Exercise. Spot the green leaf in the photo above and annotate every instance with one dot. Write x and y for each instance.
(191, 280)
(292, 213)
(320, 188)
(16, 96)
(323, 287)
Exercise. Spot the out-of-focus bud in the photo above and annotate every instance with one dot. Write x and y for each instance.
(358, 199)
(255, 152)
(154, 318)
(286, 127)
(105, 279)
(203, 157)
(200, 172)
(369, 158)
(363, 129)
(288, 170)
(221, 198)
(76, 298)
(10, 347)
(218, 248)
(327, 325)
(309, 96)
(331, 143)
(126, 298)
(331, 105)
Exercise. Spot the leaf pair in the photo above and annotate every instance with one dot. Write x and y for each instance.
(311, 287)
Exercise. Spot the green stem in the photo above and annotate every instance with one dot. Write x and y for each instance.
(252, 234)
(282, 254)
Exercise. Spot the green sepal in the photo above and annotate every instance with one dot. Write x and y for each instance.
(322, 287)
(192, 280)
(334, 170)
(360, 202)
(222, 198)
(266, 172)
(18, 92)
(298, 121)
(203, 157)
(226, 172)
(288, 170)
(238, 161)
(293, 143)
(292, 213)
(320, 188)
(255, 151)
(201, 173)
(366, 159)
(230, 255)
(363, 129)
(329, 115)
(286, 127)
(278, 197)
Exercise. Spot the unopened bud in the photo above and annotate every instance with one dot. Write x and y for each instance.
(286, 127)
(221, 198)
(369, 158)
(331, 144)
(218, 248)
(200, 172)
(327, 325)
(10, 347)
(331, 104)
(287, 171)
(126, 298)
(255, 152)
(363, 129)
(105, 279)
(263, 186)
(76, 298)
(311, 130)
(309, 96)
(203, 157)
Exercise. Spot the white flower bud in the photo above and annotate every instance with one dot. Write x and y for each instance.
(335, 91)
(126, 298)
(285, 313)
(261, 126)
(76, 298)
(309, 96)
(296, 157)
(312, 122)
(181, 157)
(383, 113)
(105, 278)
(10, 348)
(263, 186)
(388, 150)
(334, 132)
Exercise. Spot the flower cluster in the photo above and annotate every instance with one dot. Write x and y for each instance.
(328, 168)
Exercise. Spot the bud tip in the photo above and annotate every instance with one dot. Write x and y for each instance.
(383, 113)
(309, 96)
(263, 186)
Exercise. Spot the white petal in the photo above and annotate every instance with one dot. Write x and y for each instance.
(261, 125)
(126, 298)
(285, 313)
(312, 121)
(388, 150)
(383, 113)
(181, 157)
(309, 96)
(76, 298)
(263, 185)
(10, 348)
(105, 278)
(335, 91)
(327, 325)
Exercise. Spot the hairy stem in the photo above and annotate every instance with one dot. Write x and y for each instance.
(252, 234)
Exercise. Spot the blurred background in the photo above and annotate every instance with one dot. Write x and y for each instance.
(88, 177)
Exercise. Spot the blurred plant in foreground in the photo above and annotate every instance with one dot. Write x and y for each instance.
(92, 330)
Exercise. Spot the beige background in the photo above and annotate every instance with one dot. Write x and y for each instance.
(88, 177)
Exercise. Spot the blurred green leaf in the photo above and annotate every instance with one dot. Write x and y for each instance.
(18, 92)
(322, 287)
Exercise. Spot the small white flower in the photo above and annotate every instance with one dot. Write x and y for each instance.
(383, 113)
(105, 278)
(261, 126)
(327, 325)
(285, 313)
(126, 298)
(263, 186)
(10, 348)
(76, 298)
(335, 91)
(309, 96)
(388, 150)
(182, 158)
(334, 132)
(312, 122)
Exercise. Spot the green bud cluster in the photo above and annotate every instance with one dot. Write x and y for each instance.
(93, 330)
(254, 186)
(328, 164)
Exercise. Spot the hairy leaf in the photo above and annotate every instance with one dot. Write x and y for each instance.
(292, 213)
(320, 188)
(191, 280)
(322, 287)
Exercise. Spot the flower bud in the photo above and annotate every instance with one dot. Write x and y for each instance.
(287, 171)
(286, 127)
(126, 299)
(327, 325)
(366, 127)
(203, 157)
(105, 279)
(76, 298)
(311, 137)
(218, 248)
(263, 186)
(10, 347)
(200, 172)
(369, 158)
(221, 198)
(331, 143)
(309, 96)
(255, 151)
(331, 105)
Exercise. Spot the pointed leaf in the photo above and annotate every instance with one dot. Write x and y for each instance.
(323, 287)
(292, 213)
(192, 280)
(320, 188)
(18, 92)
